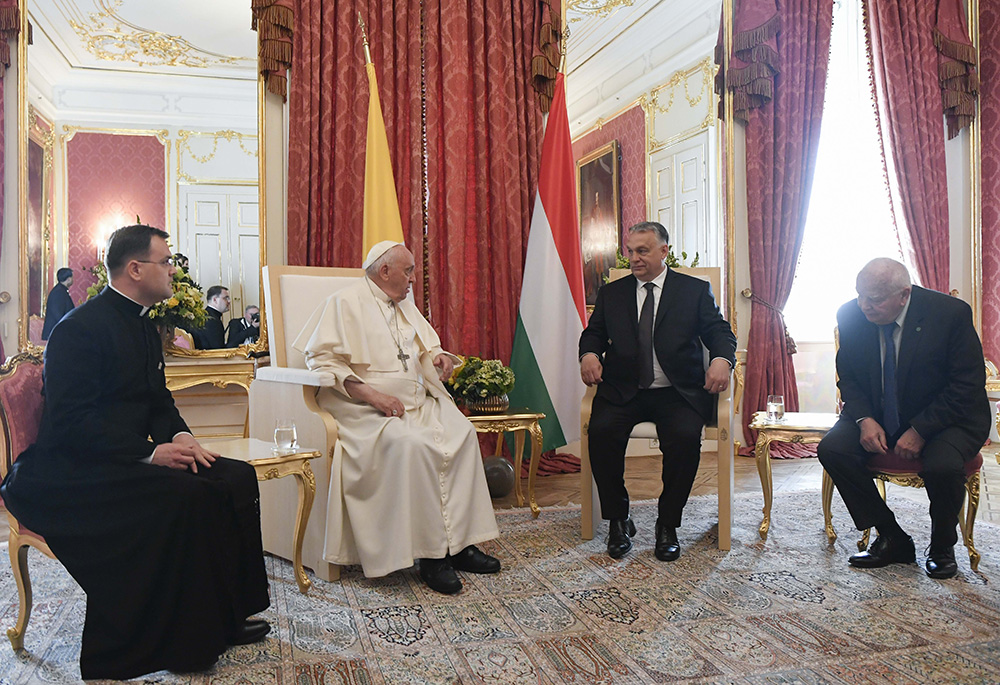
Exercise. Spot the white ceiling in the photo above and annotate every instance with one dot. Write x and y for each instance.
(144, 62)
(619, 49)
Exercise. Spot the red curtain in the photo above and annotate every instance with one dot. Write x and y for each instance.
(781, 142)
(10, 26)
(328, 103)
(908, 96)
(274, 20)
(483, 144)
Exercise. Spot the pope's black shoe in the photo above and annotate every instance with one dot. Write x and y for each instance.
(885, 551)
(941, 562)
(667, 548)
(252, 630)
(620, 532)
(473, 560)
(440, 576)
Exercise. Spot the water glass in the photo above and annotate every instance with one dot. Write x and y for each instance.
(775, 408)
(284, 435)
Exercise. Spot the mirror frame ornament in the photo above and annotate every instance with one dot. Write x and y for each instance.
(24, 126)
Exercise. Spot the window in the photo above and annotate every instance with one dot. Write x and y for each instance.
(849, 221)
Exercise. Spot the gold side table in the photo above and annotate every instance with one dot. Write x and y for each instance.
(797, 427)
(268, 466)
(520, 423)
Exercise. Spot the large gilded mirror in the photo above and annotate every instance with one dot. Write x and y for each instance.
(142, 110)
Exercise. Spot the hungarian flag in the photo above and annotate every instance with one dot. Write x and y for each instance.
(381, 210)
(551, 315)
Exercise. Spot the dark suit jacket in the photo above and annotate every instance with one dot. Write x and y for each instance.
(239, 331)
(686, 319)
(940, 374)
(57, 305)
(213, 335)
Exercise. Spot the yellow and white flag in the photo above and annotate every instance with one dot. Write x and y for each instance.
(381, 210)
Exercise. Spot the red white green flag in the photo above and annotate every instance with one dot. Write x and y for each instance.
(551, 315)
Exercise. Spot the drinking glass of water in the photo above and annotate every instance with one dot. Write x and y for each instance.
(775, 408)
(285, 438)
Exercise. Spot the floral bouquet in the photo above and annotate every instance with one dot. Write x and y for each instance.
(477, 378)
(184, 309)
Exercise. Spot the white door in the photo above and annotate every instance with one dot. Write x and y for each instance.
(220, 234)
(681, 199)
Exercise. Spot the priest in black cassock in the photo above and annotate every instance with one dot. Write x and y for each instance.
(162, 534)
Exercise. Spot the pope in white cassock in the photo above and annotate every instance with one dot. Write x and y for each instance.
(408, 481)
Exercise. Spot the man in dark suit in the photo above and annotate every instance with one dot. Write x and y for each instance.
(245, 329)
(58, 303)
(213, 335)
(912, 380)
(643, 347)
(162, 534)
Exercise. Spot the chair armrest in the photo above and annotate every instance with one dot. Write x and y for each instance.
(281, 374)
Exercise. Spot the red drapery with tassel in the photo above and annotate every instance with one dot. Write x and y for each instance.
(782, 137)
(909, 110)
(274, 20)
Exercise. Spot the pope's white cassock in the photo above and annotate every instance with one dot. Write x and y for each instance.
(400, 488)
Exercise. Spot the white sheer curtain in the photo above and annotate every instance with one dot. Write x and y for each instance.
(850, 220)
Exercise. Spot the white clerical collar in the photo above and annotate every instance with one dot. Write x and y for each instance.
(144, 307)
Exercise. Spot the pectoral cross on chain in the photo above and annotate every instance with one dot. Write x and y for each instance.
(402, 356)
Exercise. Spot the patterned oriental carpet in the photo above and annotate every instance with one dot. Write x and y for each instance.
(786, 611)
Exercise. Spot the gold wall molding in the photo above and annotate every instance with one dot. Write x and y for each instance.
(653, 103)
(108, 36)
(185, 149)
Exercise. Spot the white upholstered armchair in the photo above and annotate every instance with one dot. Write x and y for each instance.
(287, 390)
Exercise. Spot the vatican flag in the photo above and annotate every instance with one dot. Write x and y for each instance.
(381, 210)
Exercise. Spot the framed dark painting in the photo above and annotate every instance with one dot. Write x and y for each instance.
(599, 191)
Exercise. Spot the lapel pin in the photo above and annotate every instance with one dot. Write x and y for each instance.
(918, 329)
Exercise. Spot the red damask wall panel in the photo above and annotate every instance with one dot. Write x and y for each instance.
(989, 98)
(110, 179)
(629, 129)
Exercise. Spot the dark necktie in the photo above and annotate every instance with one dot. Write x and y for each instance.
(890, 402)
(646, 339)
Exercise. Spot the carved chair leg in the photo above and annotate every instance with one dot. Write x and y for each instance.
(831, 534)
(19, 566)
(967, 519)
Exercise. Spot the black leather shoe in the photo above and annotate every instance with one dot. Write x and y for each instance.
(440, 576)
(667, 548)
(473, 560)
(941, 562)
(252, 630)
(620, 532)
(885, 551)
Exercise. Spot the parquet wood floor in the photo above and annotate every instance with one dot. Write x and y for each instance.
(642, 478)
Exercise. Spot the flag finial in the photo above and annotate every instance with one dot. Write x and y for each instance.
(364, 39)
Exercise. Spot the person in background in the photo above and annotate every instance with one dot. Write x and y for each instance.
(59, 303)
(213, 335)
(245, 329)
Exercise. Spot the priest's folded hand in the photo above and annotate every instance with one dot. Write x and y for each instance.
(202, 456)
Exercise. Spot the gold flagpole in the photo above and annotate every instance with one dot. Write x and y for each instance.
(364, 38)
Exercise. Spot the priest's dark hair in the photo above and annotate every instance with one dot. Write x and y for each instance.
(64, 273)
(129, 242)
(652, 227)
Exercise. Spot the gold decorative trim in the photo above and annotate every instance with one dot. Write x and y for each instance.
(653, 107)
(108, 36)
(597, 8)
(184, 145)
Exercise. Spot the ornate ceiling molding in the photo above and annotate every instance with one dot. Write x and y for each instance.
(597, 8)
(108, 36)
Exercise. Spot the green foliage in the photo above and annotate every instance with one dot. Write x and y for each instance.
(477, 378)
